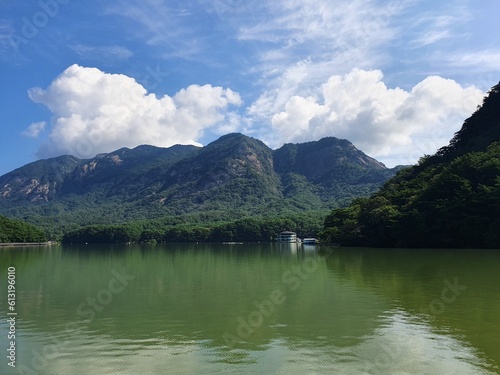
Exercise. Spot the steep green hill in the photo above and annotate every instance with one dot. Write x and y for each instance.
(19, 231)
(450, 199)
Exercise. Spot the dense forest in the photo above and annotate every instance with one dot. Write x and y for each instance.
(256, 229)
(19, 231)
(450, 199)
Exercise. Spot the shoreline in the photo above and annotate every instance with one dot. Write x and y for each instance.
(25, 244)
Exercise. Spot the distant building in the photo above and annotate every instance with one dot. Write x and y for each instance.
(287, 236)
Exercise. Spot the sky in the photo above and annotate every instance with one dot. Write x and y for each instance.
(397, 78)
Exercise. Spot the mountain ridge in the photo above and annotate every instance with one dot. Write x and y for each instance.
(232, 177)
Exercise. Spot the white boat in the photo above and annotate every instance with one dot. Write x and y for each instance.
(309, 241)
(287, 236)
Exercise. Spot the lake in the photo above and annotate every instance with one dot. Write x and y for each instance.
(251, 309)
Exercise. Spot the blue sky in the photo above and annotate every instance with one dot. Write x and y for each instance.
(397, 78)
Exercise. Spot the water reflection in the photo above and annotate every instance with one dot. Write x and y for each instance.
(346, 312)
(423, 283)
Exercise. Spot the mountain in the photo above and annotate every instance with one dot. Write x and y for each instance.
(450, 199)
(109, 174)
(322, 159)
(233, 177)
(326, 171)
(234, 172)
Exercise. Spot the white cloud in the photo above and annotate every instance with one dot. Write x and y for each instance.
(34, 130)
(432, 37)
(345, 23)
(163, 25)
(95, 112)
(439, 28)
(393, 125)
(485, 60)
(304, 42)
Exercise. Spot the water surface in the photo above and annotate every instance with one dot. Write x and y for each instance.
(252, 309)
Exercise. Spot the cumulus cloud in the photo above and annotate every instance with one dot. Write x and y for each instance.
(394, 125)
(34, 130)
(95, 112)
(302, 43)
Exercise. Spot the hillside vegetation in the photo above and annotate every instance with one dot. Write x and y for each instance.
(450, 199)
(19, 231)
(181, 189)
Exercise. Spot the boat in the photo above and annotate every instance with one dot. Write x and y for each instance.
(310, 241)
(287, 236)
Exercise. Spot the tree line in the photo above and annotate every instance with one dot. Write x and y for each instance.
(19, 231)
(243, 230)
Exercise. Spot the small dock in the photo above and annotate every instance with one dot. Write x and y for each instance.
(25, 244)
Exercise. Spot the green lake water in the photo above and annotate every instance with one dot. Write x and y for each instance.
(251, 309)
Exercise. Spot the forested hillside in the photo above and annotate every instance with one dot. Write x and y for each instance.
(233, 178)
(19, 231)
(450, 199)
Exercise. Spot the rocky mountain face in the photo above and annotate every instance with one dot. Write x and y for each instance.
(53, 179)
(232, 176)
(315, 160)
